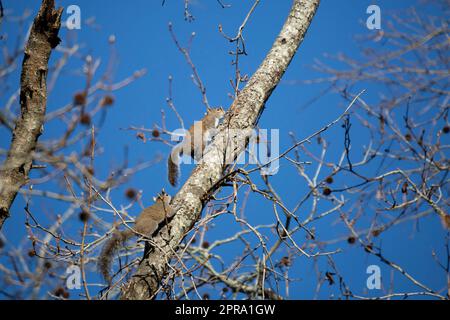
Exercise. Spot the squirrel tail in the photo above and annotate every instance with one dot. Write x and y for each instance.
(173, 164)
(109, 249)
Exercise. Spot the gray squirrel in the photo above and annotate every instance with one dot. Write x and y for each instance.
(210, 121)
(146, 224)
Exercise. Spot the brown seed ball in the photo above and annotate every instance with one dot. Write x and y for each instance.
(84, 216)
(329, 180)
(107, 101)
(376, 232)
(368, 248)
(225, 290)
(206, 296)
(155, 133)
(408, 137)
(59, 291)
(446, 129)
(47, 265)
(31, 253)
(85, 119)
(205, 245)
(79, 99)
(66, 294)
(131, 193)
(285, 261)
(351, 239)
(326, 191)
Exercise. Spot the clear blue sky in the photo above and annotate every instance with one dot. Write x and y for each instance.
(143, 41)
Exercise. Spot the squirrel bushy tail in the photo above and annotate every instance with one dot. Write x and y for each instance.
(173, 164)
(117, 239)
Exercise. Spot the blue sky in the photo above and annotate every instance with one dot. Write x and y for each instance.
(143, 41)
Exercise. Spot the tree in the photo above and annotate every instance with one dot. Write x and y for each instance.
(354, 183)
(208, 176)
(33, 98)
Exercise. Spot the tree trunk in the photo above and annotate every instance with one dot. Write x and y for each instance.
(243, 116)
(33, 99)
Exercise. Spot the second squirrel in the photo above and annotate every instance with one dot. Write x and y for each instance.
(146, 224)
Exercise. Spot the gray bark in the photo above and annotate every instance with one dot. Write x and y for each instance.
(243, 115)
(33, 99)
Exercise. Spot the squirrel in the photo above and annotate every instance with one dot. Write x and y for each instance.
(202, 127)
(146, 224)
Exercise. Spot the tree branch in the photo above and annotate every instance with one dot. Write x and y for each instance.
(243, 115)
(33, 99)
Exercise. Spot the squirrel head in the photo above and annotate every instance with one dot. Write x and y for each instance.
(216, 112)
(163, 197)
